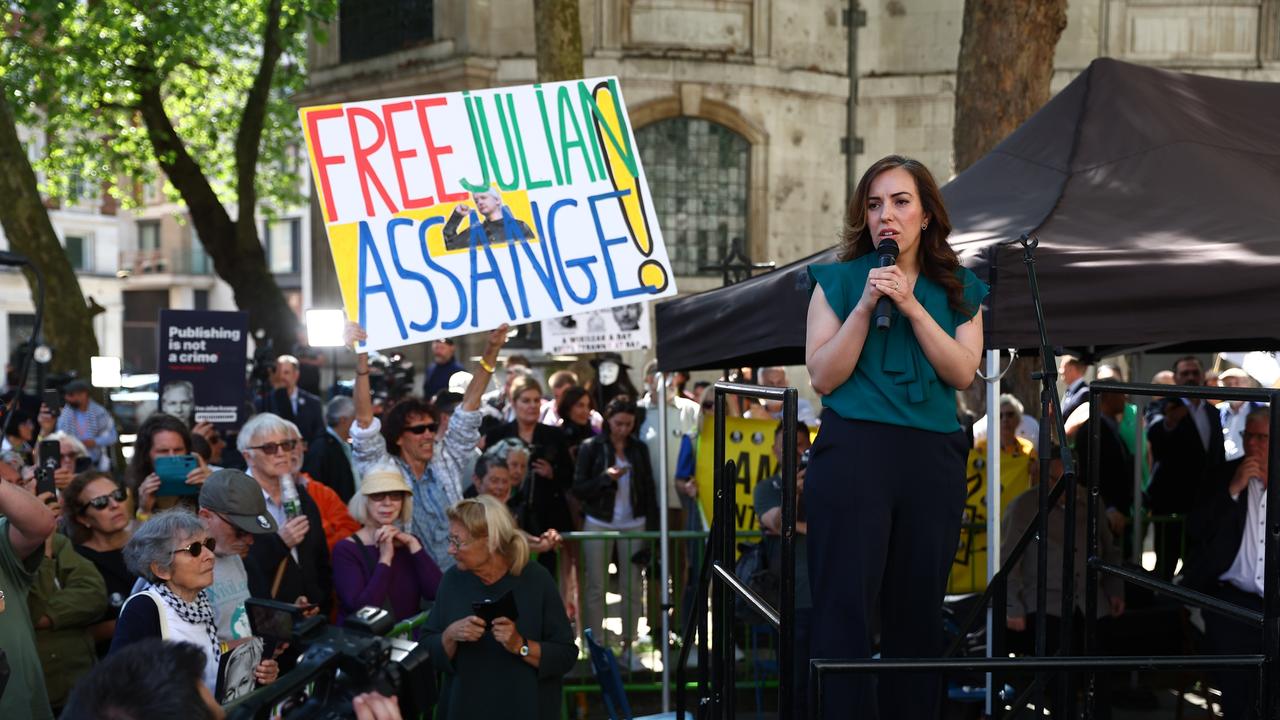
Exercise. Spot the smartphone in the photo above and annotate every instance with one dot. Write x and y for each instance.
(53, 400)
(490, 610)
(173, 471)
(49, 454)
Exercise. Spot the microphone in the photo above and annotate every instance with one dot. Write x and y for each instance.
(13, 258)
(888, 252)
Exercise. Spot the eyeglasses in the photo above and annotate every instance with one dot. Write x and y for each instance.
(419, 429)
(102, 501)
(238, 532)
(197, 547)
(71, 455)
(272, 448)
(384, 496)
(457, 544)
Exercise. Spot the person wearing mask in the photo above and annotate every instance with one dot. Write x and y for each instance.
(96, 516)
(616, 487)
(88, 421)
(382, 564)
(406, 437)
(329, 458)
(174, 554)
(506, 667)
(234, 512)
(160, 435)
(292, 565)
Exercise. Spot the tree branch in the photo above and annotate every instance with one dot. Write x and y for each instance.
(253, 117)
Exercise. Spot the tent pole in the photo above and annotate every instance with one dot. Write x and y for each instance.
(664, 587)
(1139, 464)
(993, 497)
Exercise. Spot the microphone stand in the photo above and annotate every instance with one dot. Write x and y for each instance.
(35, 341)
(1050, 403)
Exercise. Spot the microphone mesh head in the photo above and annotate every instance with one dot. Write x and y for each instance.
(888, 247)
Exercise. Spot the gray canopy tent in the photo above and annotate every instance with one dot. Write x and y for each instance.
(1156, 198)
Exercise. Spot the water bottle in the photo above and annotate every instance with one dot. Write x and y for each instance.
(289, 497)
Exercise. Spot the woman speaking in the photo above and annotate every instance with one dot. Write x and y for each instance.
(885, 485)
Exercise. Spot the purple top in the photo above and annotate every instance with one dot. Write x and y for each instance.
(416, 579)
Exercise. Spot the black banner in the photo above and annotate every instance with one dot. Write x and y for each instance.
(202, 366)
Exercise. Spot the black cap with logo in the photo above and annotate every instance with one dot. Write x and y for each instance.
(238, 498)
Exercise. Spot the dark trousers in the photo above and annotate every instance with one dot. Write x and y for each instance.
(1167, 543)
(884, 504)
(1226, 636)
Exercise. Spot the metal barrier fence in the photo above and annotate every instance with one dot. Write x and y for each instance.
(627, 594)
(1087, 664)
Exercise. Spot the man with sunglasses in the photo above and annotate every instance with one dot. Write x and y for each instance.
(407, 437)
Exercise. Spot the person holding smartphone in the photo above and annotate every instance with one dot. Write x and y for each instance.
(504, 667)
(160, 435)
(615, 483)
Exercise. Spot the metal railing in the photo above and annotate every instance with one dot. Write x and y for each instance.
(1087, 664)
(717, 572)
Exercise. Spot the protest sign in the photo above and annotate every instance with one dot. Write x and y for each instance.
(454, 213)
(749, 444)
(969, 570)
(202, 365)
(618, 329)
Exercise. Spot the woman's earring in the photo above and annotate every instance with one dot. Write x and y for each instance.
(924, 226)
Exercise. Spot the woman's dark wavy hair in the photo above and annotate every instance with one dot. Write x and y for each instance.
(140, 465)
(938, 261)
(620, 404)
(395, 420)
(569, 398)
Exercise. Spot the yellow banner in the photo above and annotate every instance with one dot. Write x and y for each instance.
(749, 444)
(969, 571)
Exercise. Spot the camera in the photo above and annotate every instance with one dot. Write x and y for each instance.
(336, 664)
(390, 377)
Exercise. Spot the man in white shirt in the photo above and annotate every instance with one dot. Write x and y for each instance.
(682, 419)
(1226, 536)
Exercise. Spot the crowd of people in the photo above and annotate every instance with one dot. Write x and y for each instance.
(434, 502)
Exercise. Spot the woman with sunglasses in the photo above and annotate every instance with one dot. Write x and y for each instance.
(436, 467)
(174, 553)
(95, 513)
(381, 564)
(292, 565)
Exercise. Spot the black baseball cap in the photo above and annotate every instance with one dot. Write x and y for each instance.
(238, 498)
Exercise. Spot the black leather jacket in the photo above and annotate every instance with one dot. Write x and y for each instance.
(597, 491)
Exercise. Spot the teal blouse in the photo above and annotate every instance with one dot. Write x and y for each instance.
(893, 381)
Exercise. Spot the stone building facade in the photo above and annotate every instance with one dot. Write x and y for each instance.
(741, 107)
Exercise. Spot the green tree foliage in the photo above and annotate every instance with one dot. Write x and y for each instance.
(198, 90)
